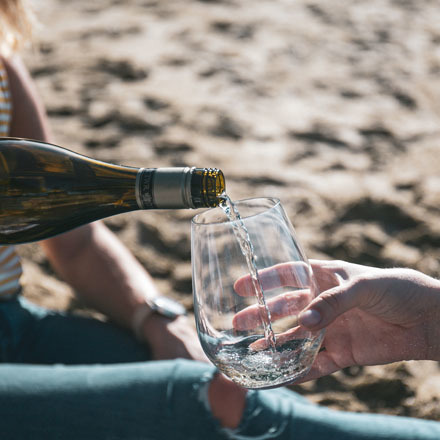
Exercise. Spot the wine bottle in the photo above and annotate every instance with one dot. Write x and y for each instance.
(46, 189)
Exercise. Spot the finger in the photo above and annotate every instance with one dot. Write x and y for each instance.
(291, 274)
(286, 304)
(326, 274)
(326, 307)
(342, 269)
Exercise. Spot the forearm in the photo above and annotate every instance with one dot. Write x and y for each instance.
(104, 273)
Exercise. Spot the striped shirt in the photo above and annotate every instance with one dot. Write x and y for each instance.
(5, 102)
(10, 266)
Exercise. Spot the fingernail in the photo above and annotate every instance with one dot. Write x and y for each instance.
(310, 318)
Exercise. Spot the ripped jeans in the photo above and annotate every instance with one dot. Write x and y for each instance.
(100, 384)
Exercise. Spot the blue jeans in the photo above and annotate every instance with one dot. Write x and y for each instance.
(72, 378)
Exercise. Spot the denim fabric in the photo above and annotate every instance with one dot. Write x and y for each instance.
(32, 334)
(309, 421)
(115, 393)
(152, 400)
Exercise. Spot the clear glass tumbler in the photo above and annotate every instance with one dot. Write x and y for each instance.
(248, 324)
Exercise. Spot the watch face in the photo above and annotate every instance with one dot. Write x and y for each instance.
(168, 307)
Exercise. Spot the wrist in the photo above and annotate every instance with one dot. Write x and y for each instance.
(142, 314)
(146, 315)
(433, 336)
(431, 321)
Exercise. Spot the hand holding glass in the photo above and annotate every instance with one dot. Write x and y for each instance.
(234, 323)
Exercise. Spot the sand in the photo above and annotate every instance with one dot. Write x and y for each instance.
(333, 107)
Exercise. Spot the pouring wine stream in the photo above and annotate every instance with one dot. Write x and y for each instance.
(247, 249)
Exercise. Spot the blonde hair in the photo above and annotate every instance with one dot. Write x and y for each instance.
(15, 25)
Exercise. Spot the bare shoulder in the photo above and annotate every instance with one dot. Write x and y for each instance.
(28, 117)
(18, 76)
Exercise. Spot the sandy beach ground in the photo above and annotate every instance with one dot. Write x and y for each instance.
(333, 107)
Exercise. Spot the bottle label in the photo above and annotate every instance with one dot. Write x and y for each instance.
(144, 188)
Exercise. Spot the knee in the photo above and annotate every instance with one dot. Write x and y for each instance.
(227, 401)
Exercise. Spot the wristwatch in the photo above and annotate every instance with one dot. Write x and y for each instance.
(161, 305)
(166, 306)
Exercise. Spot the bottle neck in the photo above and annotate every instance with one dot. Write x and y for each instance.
(164, 188)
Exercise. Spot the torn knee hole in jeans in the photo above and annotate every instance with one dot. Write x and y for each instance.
(202, 389)
(252, 411)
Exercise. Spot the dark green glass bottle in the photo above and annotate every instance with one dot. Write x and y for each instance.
(46, 190)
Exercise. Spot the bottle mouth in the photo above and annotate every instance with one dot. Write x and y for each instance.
(207, 185)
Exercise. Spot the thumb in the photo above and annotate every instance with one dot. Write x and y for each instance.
(327, 306)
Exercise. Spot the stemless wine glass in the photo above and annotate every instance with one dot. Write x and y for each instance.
(251, 279)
